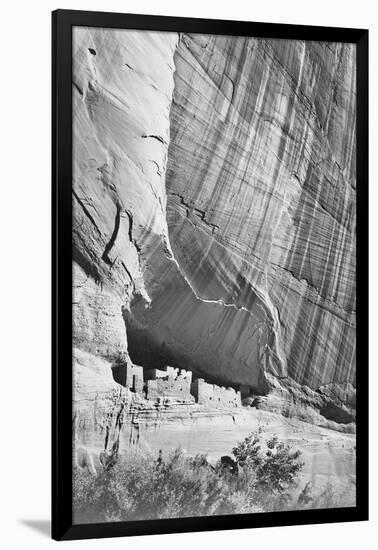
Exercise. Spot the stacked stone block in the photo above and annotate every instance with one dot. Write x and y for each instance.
(169, 382)
(212, 395)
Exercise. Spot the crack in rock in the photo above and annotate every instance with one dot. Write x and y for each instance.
(113, 238)
(158, 138)
(201, 214)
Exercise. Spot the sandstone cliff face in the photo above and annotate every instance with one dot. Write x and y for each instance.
(122, 88)
(261, 199)
(214, 206)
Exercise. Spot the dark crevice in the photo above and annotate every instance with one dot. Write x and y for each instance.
(233, 87)
(92, 51)
(113, 238)
(131, 238)
(157, 167)
(128, 274)
(80, 90)
(196, 211)
(158, 138)
(106, 438)
(85, 210)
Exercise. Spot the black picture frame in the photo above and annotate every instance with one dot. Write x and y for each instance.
(62, 23)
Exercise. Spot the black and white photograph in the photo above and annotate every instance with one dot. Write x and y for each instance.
(214, 274)
(189, 307)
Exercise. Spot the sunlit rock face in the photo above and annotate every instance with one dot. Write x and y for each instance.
(122, 89)
(214, 206)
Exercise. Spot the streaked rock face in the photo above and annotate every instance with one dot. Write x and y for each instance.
(214, 206)
(261, 200)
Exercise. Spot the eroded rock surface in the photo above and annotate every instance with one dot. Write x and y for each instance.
(122, 88)
(261, 201)
(214, 209)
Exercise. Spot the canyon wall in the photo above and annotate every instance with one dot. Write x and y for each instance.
(122, 89)
(214, 207)
(261, 200)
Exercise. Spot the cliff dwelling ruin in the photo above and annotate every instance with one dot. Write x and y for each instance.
(176, 385)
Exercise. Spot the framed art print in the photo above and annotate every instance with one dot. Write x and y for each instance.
(209, 274)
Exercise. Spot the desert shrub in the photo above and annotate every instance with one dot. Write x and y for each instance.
(142, 486)
(115, 493)
(247, 453)
(279, 467)
(275, 466)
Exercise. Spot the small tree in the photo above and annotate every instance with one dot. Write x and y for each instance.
(247, 453)
(280, 467)
(276, 468)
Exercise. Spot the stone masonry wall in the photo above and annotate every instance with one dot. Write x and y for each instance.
(212, 395)
(129, 376)
(176, 384)
(169, 382)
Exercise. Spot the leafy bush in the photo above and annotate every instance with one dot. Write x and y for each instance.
(141, 487)
(275, 465)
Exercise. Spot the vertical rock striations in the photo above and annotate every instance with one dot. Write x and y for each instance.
(261, 196)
